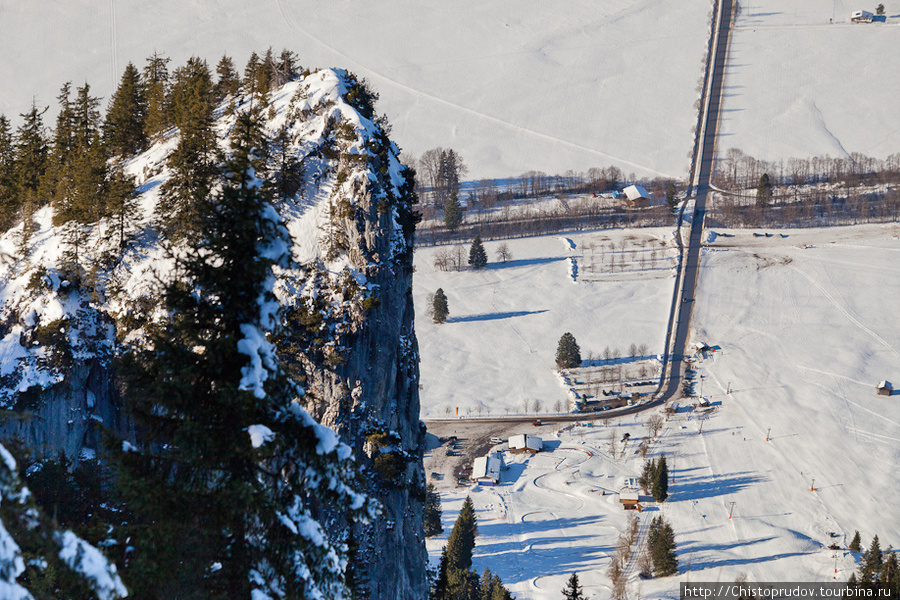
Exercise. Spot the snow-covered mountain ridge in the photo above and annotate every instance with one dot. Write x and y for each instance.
(344, 297)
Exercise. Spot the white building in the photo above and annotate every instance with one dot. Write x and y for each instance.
(486, 469)
(525, 443)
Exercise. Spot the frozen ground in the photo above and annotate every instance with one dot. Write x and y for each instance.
(498, 347)
(807, 325)
(798, 85)
(513, 85)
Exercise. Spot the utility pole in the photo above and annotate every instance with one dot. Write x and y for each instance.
(767, 433)
(812, 485)
(731, 510)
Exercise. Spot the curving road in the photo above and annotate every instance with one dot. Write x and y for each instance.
(686, 280)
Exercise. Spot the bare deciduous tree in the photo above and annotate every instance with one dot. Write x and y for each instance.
(654, 425)
(503, 253)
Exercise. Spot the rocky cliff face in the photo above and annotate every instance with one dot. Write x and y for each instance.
(349, 335)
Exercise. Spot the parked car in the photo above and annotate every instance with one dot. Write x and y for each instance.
(537, 423)
(496, 440)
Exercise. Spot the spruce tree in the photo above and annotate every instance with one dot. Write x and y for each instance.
(228, 82)
(285, 166)
(572, 590)
(9, 205)
(671, 196)
(648, 475)
(568, 354)
(229, 470)
(439, 306)
(156, 89)
(855, 543)
(432, 512)
(870, 566)
(477, 255)
(461, 542)
(193, 162)
(890, 572)
(32, 158)
(661, 541)
(439, 585)
(121, 202)
(453, 213)
(764, 190)
(124, 128)
(659, 484)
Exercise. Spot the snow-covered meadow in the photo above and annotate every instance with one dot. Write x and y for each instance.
(807, 323)
(802, 80)
(499, 345)
(513, 85)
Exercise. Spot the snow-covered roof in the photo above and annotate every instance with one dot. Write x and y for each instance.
(487, 467)
(635, 192)
(629, 496)
(885, 385)
(524, 441)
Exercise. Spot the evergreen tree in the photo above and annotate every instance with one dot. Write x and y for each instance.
(156, 89)
(671, 196)
(124, 129)
(461, 542)
(890, 572)
(286, 167)
(879, 10)
(439, 585)
(568, 354)
(121, 201)
(572, 590)
(661, 541)
(870, 566)
(40, 560)
(439, 306)
(648, 475)
(477, 255)
(193, 160)
(287, 68)
(453, 214)
(462, 584)
(855, 543)
(432, 512)
(659, 485)
(229, 470)
(764, 190)
(32, 158)
(9, 204)
(229, 82)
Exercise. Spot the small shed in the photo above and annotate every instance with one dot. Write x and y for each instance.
(523, 442)
(486, 469)
(630, 500)
(862, 16)
(885, 388)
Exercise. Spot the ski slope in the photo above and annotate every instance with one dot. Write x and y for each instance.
(513, 85)
(806, 326)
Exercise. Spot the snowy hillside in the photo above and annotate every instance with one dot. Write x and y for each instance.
(512, 85)
(802, 80)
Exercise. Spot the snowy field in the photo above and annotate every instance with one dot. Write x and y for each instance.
(797, 85)
(499, 345)
(807, 325)
(513, 85)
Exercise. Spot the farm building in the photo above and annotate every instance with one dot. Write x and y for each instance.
(486, 469)
(885, 388)
(629, 500)
(639, 197)
(521, 443)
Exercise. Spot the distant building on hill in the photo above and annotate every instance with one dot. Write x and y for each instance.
(639, 197)
(885, 388)
(862, 16)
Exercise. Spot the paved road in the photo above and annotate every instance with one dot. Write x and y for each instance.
(683, 304)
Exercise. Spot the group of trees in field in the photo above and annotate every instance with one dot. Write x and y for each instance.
(455, 578)
(655, 478)
(878, 569)
(809, 192)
